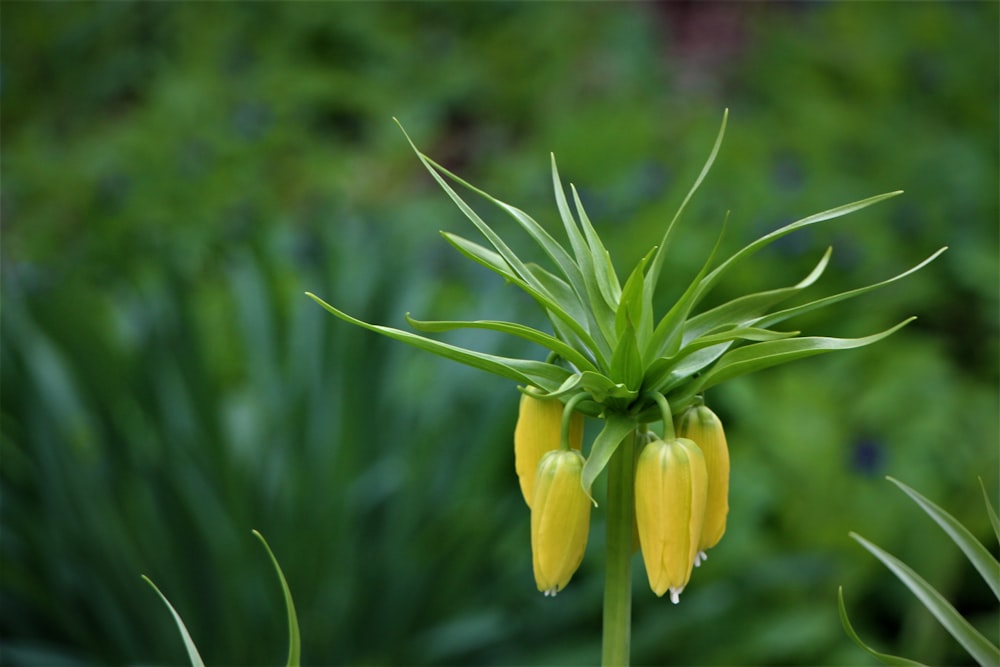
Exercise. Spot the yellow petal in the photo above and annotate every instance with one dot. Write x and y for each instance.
(539, 423)
(560, 520)
(700, 424)
(670, 491)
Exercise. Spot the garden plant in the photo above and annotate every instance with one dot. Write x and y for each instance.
(612, 359)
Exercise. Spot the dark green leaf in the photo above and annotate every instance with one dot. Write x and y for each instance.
(884, 658)
(294, 642)
(616, 428)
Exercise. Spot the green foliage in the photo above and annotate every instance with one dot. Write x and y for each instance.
(176, 175)
(974, 642)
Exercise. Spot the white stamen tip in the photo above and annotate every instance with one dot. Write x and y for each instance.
(675, 594)
(551, 592)
(700, 558)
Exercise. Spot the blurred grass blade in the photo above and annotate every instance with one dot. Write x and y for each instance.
(884, 658)
(980, 648)
(552, 343)
(616, 428)
(546, 376)
(294, 642)
(981, 559)
(192, 650)
(994, 519)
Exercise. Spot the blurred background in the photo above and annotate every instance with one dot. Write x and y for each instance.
(175, 176)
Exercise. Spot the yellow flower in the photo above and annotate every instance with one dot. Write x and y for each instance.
(700, 424)
(539, 423)
(670, 492)
(560, 520)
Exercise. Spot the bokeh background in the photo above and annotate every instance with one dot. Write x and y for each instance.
(175, 176)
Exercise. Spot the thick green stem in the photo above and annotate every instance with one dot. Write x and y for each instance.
(620, 509)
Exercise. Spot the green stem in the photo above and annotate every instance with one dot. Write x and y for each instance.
(618, 574)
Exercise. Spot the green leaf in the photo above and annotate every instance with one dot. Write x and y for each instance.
(758, 356)
(981, 559)
(884, 658)
(626, 363)
(616, 427)
(192, 650)
(537, 373)
(744, 309)
(604, 390)
(994, 519)
(653, 277)
(294, 642)
(980, 648)
(600, 307)
(554, 296)
(607, 279)
(711, 279)
(521, 331)
(783, 315)
(632, 306)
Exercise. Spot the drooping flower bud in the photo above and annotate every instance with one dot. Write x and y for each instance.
(700, 424)
(537, 431)
(670, 492)
(560, 520)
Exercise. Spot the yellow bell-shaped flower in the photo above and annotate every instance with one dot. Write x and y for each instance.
(537, 431)
(700, 424)
(560, 520)
(671, 485)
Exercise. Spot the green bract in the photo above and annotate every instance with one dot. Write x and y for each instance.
(607, 343)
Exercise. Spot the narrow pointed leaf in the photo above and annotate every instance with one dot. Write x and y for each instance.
(978, 646)
(521, 331)
(631, 305)
(192, 650)
(980, 557)
(653, 276)
(607, 279)
(626, 363)
(616, 427)
(783, 315)
(884, 658)
(540, 374)
(576, 321)
(994, 519)
(711, 279)
(746, 308)
(294, 642)
(758, 356)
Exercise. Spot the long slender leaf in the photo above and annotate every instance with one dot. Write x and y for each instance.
(744, 309)
(294, 642)
(616, 427)
(192, 650)
(711, 279)
(758, 356)
(783, 315)
(537, 373)
(607, 279)
(980, 557)
(557, 302)
(653, 277)
(521, 331)
(884, 658)
(978, 646)
(994, 519)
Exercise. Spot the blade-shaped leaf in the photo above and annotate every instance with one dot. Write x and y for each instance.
(626, 362)
(616, 427)
(192, 650)
(980, 557)
(884, 658)
(758, 356)
(567, 325)
(711, 279)
(980, 648)
(994, 519)
(783, 315)
(607, 279)
(632, 306)
(653, 277)
(537, 373)
(294, 642)
(744, 309)
(521, 331)
(561, 304)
